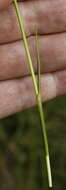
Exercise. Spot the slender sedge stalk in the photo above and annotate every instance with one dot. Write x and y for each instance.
(38, 97)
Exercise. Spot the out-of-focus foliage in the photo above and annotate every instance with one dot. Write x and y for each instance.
(21, 148)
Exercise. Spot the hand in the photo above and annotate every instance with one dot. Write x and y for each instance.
(16, 87)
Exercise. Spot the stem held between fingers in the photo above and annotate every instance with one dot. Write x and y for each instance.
(37, 91)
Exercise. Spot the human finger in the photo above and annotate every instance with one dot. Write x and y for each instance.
(4, 4)
(46, 16)
(52, 52)
(17, 95)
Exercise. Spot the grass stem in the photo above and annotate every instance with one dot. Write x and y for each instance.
(37, 92)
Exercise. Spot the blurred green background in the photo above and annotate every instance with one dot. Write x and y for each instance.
(21, 148)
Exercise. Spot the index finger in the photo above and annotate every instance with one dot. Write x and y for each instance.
(46, 17)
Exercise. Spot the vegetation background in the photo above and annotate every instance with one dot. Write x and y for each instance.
(21, 148)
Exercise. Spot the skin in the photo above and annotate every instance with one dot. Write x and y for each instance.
(16, 87)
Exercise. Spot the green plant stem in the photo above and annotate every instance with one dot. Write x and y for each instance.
(38, 97)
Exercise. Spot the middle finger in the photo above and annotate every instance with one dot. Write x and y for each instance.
(52, 51)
